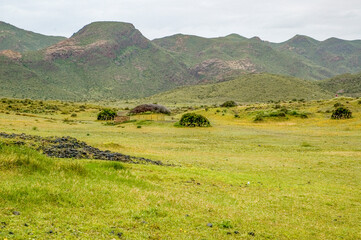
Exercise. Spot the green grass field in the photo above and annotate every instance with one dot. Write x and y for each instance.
(281, 178)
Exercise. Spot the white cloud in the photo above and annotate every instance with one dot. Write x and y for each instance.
(273, 20)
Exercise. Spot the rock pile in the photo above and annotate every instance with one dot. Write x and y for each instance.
(69, 147)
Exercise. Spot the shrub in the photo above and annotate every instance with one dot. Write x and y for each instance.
(277, 114)
(73, 115)
(155, 108)
(341, 113)
(194, 120)
(229, 104)
(106, 114)
(258, 118)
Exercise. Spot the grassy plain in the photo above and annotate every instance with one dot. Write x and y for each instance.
(282, 178)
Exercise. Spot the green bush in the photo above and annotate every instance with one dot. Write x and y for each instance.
(194, 120)
(341, 113)
(229, 104)
(259, 117)
(106, 114)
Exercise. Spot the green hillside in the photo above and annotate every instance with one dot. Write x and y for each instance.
(211, 59)
(113, 60)
(19, 40)
(337, 55)
(247, 88)
(104, 60)
(346, 84)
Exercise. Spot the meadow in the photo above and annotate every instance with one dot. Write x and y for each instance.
(286, 177)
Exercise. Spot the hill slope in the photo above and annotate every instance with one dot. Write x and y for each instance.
(346, 84)
(212, 58)
(337, 55)
(113, 60)
(103, 60)
(247, 88)
(19, 40)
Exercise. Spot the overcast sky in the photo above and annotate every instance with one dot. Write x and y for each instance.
(272, 20)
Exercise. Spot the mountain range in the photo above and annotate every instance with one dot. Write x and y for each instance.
(113, 60)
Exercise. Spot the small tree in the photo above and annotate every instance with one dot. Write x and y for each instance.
(229, 104)
(194, 120)
(341, 113)
(106, 114)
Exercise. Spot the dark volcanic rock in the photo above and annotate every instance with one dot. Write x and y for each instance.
(68, 147)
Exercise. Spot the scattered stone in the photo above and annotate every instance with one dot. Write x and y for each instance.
(187, 215)
(236, 232)
(50, 231)
(11, 233)
(229, 233)
(209, 225)
(144, 222)
(26, 225)
(119, 234)
(252, 234)
(16, 213)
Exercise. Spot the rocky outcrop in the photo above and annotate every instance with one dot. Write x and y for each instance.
(68, 147)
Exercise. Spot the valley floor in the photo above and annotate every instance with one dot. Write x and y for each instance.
(277, 179)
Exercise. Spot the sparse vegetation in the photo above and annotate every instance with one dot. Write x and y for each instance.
(194, 120)
(106, 114)
(341, 113)
(229, 104)
(149, 108)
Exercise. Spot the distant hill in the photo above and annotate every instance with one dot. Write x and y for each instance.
(19, 40)
(113, 60)
(346, 84)
(260, 87)
(211, 59)
(337, 55)
(104, 60)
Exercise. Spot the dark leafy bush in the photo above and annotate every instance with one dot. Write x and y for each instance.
(341, 113)
(155, 108)
(106, 114)
(229, 104)
(194, 120)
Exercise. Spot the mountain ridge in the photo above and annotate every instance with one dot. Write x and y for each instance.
(113, 60)
(20, 40)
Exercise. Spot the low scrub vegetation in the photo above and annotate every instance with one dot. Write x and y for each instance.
(194, 120)
(229, 104)
(106, 114)
(149, 108)
(341, 113)
(281, 113)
